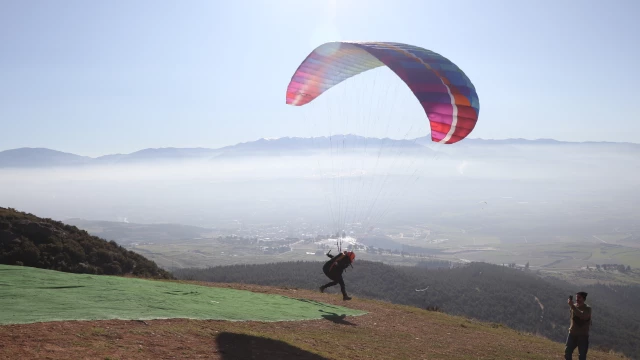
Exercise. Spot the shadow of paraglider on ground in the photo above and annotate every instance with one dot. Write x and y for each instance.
(338, 319)
(331, 316)
(232, 346)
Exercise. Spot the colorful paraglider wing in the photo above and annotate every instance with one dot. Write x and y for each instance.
(444, 91)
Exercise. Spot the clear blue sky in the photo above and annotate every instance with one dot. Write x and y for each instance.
(98, 77)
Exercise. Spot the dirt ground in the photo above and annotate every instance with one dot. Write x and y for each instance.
(386, 332)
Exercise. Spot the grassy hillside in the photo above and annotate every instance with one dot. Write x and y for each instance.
(520, 300)
(26, 239)
(387, 331)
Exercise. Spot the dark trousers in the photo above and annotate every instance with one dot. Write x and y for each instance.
(337, 279)
(579, 341)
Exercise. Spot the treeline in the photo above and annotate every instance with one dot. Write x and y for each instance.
(518, 299)
(610, 267)
(44, 243)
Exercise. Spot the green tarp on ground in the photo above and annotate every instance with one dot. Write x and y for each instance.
(36, 295)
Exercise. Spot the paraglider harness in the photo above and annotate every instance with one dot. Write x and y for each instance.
(337, 260)
(334, 268)
(339, 245)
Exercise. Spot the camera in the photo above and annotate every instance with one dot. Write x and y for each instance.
(571, 297)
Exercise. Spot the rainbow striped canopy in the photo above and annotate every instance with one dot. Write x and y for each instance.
(447, 95)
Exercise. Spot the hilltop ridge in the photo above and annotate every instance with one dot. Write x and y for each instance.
(387, 331)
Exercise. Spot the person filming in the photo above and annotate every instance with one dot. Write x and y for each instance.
(579, 329)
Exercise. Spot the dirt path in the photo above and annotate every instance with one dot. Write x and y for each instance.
(541, 314)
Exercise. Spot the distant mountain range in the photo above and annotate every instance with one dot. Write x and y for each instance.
(291, 146)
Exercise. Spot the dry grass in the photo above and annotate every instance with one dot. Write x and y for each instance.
(387, 332)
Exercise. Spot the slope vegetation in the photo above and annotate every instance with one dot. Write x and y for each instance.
(26, 239)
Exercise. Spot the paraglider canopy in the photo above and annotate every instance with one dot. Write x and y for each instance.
(446, 94)
(371, 153)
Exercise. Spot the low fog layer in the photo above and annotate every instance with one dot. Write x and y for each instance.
(499, 188)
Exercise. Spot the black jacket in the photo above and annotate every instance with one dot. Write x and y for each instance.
(336, 265)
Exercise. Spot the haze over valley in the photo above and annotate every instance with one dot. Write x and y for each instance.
(554, 205)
